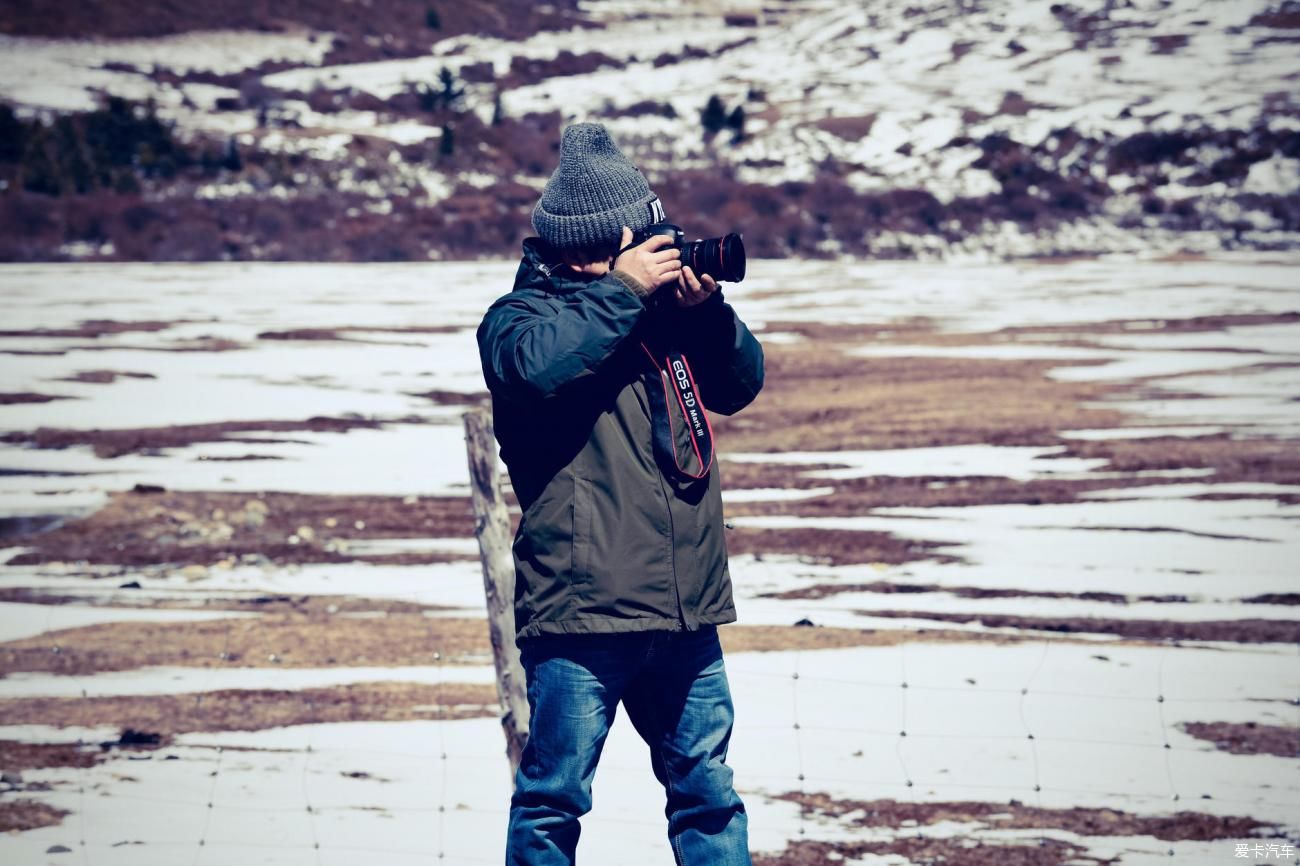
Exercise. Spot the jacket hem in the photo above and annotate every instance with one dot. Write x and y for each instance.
(608, 625)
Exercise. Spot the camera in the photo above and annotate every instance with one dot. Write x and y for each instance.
(721, 258)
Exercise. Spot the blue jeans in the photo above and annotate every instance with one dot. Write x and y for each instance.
(675, 689)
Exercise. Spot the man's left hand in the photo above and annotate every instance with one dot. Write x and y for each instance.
(692, 290)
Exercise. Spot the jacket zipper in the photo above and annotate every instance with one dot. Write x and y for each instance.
(672, 534)
(672, 527)
(672, 546)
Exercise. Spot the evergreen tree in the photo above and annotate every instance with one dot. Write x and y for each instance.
(447, 144)
(232, 161)
(427, 96)
(12, 133)
(126, 183)
(431, 19)
(157, 151)
(110, 133)
(38, 171)
(450, 94)
(736, 123)
(713, 117)
(71, 156)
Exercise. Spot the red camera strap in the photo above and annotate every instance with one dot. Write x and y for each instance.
(679, 395)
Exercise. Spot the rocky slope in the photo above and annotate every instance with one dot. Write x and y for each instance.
(398, 130)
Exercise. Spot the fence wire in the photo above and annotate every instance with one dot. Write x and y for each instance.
(493, 758)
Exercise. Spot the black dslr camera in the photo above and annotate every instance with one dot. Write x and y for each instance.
(721, 258)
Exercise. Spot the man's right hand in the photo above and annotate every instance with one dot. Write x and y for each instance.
(647, 263)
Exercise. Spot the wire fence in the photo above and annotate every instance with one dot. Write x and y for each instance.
(807, 735)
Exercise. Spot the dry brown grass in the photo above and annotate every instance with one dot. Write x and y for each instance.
(124, 596)
(1248, 738)
(768, 638)
(1234, 630)
(16, 756)
(887, 587)
(833, 546)
(273, 640)
(115, 442)
(291, 640)
(258, 709)
(817, 398)
(150, 526)
(916, 846)
(26, 814)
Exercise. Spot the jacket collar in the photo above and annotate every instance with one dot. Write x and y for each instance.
(541, 269)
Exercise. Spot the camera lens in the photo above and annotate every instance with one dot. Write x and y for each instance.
(721, 258)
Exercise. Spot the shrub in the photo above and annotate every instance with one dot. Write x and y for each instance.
(736, 123)
(714, 116)
(11, 135)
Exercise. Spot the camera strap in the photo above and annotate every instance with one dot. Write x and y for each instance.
(682, 434)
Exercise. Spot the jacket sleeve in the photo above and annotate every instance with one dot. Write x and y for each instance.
(532, 350)
(725, 356)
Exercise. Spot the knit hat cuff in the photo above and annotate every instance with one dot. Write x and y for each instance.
(593, 229)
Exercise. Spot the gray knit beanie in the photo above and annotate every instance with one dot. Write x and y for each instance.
(593, 193)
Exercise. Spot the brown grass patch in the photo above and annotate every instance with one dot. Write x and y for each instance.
(295, 640)
(1233, 630)
(287, 640)
(1191, 324)
(1232, 460)
(1016, 815)
(834, 546)
(925, 331)
(1290, 598)
(95, 328)
(825, 590)
(16, 756)
(1264, 460)
(961, 848)
(15, 398)
(133, 440)
(916, 849)
(338, 333)
(24, 814)
(1248, 738)
(308, 605)
(443, 397)
(103, 377)
(816, 398)
(851, 497)
(776, 638)
(148, 526)
(259, 709)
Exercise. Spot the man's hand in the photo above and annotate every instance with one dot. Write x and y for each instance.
(691, 291)
(647, 263)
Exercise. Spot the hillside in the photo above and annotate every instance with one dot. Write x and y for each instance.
(397, 130)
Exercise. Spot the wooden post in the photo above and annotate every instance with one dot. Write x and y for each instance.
(492, 527)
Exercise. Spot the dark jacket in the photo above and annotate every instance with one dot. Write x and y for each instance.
(607, 541)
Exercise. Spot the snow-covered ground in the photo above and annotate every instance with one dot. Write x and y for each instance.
(1093, 707)
(1099, 741)
(66, 73)
(894, 94)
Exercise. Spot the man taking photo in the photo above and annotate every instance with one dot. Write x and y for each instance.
(600, 362)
